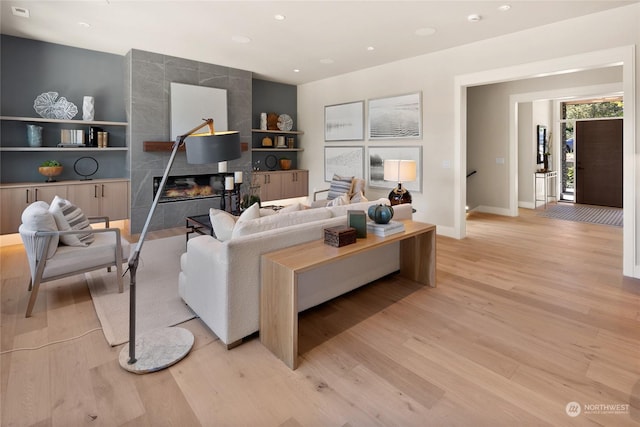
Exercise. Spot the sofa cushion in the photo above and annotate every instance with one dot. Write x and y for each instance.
(339, 185)
(70, 217)
(278, 221)
(36, 217)
(222, 223)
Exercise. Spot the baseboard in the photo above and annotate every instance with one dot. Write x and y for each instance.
(446, 231)
(492, 210)
(526, 205)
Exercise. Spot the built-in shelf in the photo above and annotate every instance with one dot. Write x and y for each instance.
(283, 132)
(63, 149)
(277, 149)
(43, 120)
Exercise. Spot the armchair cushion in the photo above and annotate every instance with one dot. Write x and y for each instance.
(36, 217)
(70, 217)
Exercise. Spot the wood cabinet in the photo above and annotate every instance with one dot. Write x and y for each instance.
(295, 183)
(276, 185)
(102, 198)
(105, 197)
(15, 199)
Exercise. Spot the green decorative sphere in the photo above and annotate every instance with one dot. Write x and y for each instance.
(380, 214)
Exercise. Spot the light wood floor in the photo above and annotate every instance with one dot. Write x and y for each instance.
(529, 315)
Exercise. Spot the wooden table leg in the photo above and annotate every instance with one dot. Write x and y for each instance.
(279, 312)
(418, 258)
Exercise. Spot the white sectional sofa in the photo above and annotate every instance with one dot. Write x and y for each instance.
(220, 280)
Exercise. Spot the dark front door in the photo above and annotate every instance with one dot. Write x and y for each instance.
(598, 152)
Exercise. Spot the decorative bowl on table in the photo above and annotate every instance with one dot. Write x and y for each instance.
(50, 172)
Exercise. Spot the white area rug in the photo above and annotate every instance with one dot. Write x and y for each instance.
(158, 303)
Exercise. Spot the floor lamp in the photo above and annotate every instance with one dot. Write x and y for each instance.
(158, 349)
(399, 171)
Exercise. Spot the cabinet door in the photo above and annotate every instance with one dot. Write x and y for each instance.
(46, 193)
(270, 186)
(295, 184)
(102, 199)
(86, 197)
(14, 200)
(115, 200)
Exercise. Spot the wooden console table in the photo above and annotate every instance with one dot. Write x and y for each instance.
(281, 270)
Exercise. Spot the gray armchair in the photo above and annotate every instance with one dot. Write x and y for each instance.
(49, 260)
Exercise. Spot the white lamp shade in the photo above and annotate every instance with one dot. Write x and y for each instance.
(400, 170)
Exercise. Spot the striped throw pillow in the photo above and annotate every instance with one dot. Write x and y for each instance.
(339, 185)
(70, 217)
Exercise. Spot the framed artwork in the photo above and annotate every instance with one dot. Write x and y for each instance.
(397, 117)
(343, 161)
(344, 122)
(540, 143)
(377, 156)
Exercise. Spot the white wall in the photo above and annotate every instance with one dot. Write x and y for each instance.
(435, 75)
(488, 126)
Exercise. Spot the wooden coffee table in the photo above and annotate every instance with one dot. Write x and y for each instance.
(281, 270)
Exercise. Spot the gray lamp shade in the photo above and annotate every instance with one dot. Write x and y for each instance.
(207, 148)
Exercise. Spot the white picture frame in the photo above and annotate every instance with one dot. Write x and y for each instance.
(343, 161)
(375, 161)
(344, 122)
(191, 103)
(396, 117)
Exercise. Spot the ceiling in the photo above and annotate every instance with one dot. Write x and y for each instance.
(320, 39)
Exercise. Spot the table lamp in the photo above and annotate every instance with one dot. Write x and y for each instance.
(399, 171)
(161, 348)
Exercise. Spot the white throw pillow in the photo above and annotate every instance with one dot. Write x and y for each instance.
(252, 212)
(342, 199)
(291, 208)
(282, 220)
(70, 217)
(36, 217)
(222, 223)
(267, 212)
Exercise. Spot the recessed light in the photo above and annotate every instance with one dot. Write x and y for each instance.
(326, 61)
(371, 48)
(296, 70)
(504, 7)
(279, 17)
(241, 39)
(474, 17)
(423, 32)
(84, 25)
(20, 11)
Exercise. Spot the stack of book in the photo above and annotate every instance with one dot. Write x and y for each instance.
(71, 138)
(383, 230)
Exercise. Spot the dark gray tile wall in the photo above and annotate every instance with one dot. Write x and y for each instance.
(149, 76)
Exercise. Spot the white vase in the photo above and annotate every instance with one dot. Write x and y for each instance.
(87, 108)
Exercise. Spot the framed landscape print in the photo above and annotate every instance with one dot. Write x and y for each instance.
(344, 122)
(377, 156)
(343, 161)
(397, 117)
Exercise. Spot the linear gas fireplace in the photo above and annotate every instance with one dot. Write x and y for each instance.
(190, 187)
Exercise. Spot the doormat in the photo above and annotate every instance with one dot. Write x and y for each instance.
(585, 213)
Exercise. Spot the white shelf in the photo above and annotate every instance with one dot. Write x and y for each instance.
(21, 149)
(43, 120)
(277, 149)
(283, 132)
